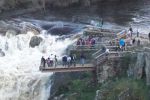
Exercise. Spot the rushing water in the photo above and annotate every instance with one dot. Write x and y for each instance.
(20, 78)
(114, 14)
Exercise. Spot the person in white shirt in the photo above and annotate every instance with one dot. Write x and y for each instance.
(107, 51)
(69, 61)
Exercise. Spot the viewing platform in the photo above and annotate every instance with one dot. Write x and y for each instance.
(60, 68)
(95, 55)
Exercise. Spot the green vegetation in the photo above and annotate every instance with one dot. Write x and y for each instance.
(84, 89)
(137, 89)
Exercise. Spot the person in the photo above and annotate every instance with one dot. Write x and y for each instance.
(56, 61)
(68, 61)
(138, 42)
(83, 42)
(131, 31)
(73, 60)
(124, 47)
(78, 42)
(133, 41)
(93, 42)
(103, 49)
(82, 59)
(149, 36)
(138, 33)
(51, 62)
(64, 60)
(107, 51)
(43, 61)
(48, 62)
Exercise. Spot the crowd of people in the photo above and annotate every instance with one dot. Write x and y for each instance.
(67, 61)
(137, 34)
(50, 61)
(90, 41)
(71, 60)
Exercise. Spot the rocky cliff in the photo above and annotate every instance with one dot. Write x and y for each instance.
(12, 4)
(135, 65)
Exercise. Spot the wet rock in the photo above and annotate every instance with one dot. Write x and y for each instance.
(35, 41)
(60, 30)
(2, 54)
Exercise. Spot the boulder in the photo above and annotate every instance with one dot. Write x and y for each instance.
(35, 41)
(2, 54)
(60, 30)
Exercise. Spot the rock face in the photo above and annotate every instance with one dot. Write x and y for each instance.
(109, 69)
(35, 41)
(135, 65)
(140, 69)
(147, 67)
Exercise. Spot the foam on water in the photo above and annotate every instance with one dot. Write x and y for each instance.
(20, 78)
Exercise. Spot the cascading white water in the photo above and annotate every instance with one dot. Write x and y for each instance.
(20, 78)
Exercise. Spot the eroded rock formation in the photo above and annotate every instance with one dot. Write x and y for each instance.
(135, 65)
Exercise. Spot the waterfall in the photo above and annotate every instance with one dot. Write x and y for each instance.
(20, 78)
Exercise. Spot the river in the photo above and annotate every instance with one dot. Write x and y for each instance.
(20, 78)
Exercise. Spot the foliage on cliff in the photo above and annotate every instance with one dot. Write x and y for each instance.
(137, 89)
(80, 89)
